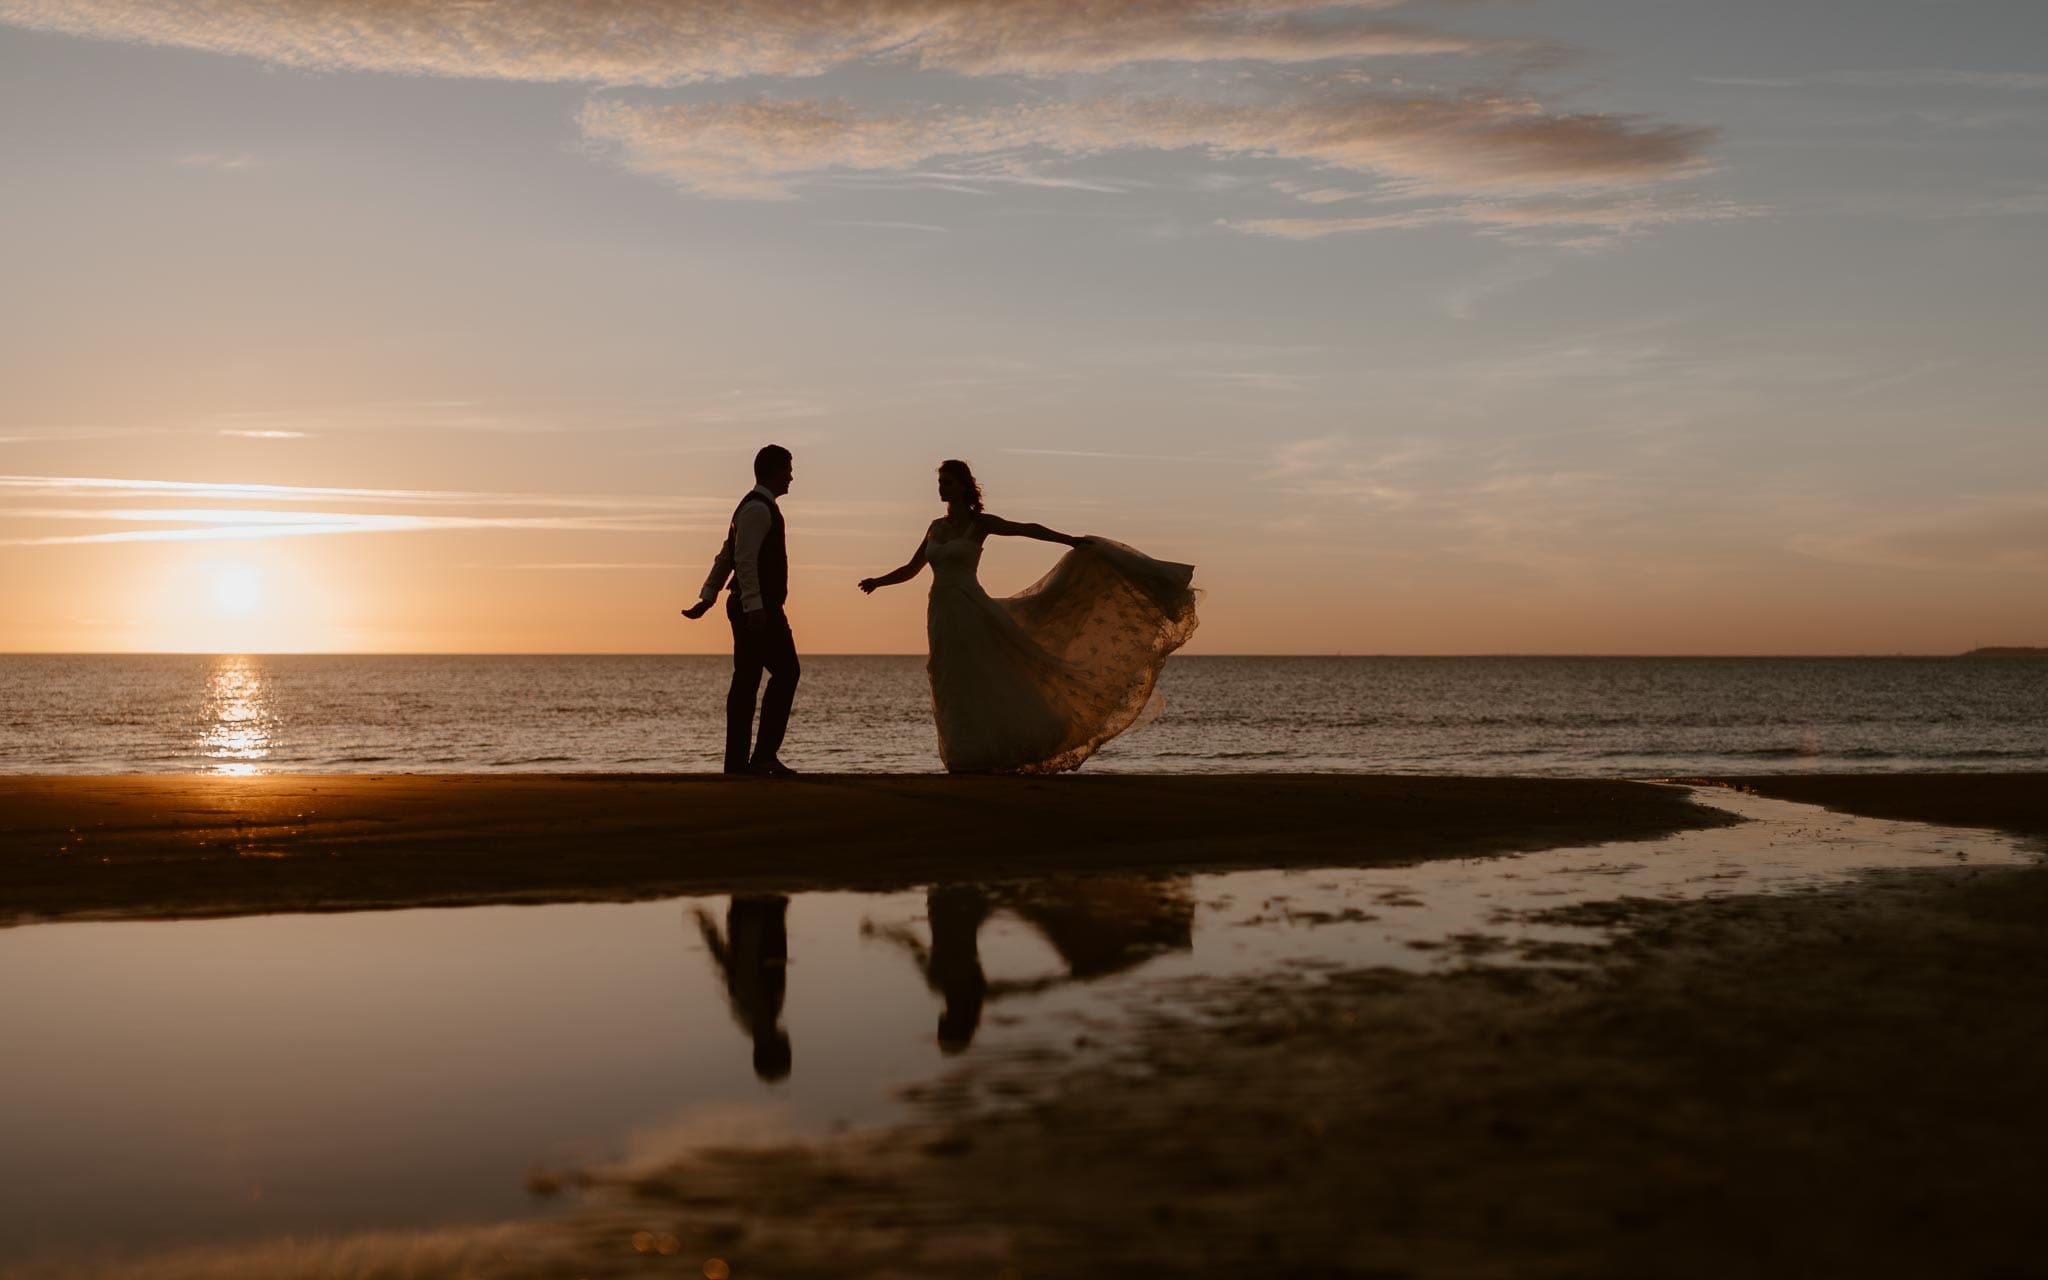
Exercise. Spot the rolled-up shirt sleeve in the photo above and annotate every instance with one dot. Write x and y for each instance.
(751, 530)
(721, 569)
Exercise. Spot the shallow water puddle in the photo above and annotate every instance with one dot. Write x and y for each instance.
(242, 1079)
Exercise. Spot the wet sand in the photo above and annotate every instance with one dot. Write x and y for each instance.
(185, 845)
(1831, 1083)
(2016, 802)
(1841, 1082)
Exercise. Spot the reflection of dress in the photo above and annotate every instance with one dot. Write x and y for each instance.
(1035, 682)
(1099, 926)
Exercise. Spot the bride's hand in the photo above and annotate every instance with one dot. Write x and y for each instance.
(868, 585)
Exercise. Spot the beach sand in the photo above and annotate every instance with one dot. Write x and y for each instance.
(189, 845)
(2016, 802)
(1838, 1083)
(1832, 1083)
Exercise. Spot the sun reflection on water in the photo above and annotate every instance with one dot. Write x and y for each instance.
(239, 722)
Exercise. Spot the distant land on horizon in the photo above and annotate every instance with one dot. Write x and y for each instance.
(2008, 651)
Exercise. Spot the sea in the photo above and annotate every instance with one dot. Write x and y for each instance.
(1554, 716)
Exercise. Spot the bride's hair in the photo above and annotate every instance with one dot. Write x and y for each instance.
(964, 474)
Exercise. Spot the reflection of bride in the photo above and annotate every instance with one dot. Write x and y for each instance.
(1098, 927)
(1035, 682)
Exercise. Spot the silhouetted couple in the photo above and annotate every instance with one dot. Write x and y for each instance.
(1030, 683)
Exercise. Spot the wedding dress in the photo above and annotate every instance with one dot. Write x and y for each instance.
(1035, 682)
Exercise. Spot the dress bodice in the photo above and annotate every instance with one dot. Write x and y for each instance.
(954, 561)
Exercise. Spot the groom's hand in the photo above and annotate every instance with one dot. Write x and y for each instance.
(757, 622)
(696, 610)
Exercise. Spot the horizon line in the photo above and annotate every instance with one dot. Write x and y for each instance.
(646, 653)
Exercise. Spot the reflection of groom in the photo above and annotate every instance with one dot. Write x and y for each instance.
(757, 560)
(754, 956)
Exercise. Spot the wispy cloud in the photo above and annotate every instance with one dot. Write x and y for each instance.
(664, 42)
(1415, 144)
(261, 434)
(102, 487)
(1531, 506)
(577, 566)
(219, 159)
(1310, 193)
(265, 518)
(199, 524)
(741, 406)
(384, 415)
(1462, 301)
(1132, 457)
(2004, 536)
(1895, 78)
(885, 225)
(1583, 223)
(1255, 379)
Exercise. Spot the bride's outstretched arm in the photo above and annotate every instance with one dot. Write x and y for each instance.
(1009, 529)
(906, 573)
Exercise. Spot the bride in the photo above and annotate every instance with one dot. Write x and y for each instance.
(1035, 682)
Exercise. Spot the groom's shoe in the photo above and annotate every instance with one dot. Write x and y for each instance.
(772, 768)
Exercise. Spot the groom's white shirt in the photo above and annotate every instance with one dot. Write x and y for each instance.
(750, 531)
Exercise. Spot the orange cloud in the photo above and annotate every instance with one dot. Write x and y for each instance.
(1415, 144)
(1496, 153)
(663, 42)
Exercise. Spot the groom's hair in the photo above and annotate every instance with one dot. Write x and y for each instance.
(771, 455)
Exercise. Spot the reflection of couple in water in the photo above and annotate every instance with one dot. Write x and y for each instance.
(1097, 927)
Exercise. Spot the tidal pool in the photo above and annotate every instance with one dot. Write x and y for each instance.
(243, 1079)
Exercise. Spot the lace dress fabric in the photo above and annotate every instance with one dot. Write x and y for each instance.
(1036, 682)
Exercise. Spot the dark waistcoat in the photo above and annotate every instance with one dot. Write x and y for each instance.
(774, 561)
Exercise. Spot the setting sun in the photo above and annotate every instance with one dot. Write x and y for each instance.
(237, 589)
(265, 600)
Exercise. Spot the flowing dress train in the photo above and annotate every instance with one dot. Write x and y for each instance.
(1035, 682)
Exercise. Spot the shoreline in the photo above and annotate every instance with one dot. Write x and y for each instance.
(169, 846)
(1821, 1082)
(2011, 802)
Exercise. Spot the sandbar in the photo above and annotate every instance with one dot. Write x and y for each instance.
(166, 846)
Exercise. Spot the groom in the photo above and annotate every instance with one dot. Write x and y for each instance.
(757, 560)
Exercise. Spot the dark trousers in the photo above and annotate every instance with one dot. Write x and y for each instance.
(772, 650)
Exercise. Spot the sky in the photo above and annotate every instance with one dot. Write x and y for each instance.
(1418, 326)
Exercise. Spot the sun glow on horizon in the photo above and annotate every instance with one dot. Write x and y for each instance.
(236, 589)
(271, 602)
